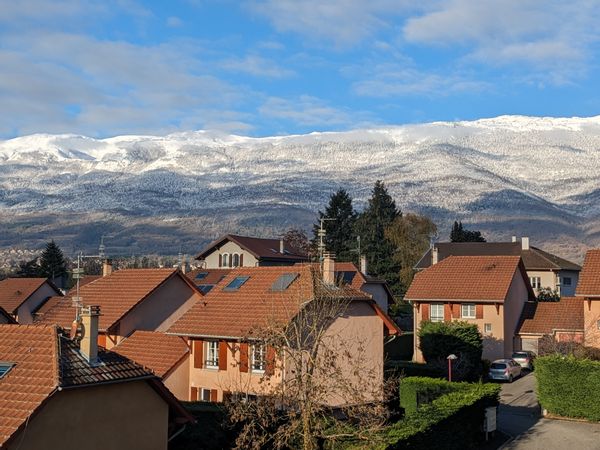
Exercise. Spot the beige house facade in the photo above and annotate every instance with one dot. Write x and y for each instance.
(588, 290)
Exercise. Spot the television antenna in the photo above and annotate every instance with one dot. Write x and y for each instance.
(321, 234)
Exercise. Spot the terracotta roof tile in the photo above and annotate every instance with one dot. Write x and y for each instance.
(589, 278)
(233, 313)
(203, 278)
(466, 278)
(545, 317)
(14, 291)
(116, 294)
(156, 351)
(266, 249)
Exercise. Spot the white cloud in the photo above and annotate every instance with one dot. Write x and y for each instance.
(174, 22)
(258, 66)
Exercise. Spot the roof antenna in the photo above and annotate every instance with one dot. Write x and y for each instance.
(321, 233)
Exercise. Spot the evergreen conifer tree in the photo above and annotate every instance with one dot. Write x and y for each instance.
(460, 234)
(52, 262)
(371, 224)
(339, 238)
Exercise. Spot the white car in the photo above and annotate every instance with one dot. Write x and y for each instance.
(504, 369)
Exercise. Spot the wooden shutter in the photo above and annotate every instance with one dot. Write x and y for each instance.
(456, 310)
(222, 355)
(244, 357)
(270, 363)
(479, 311)
(242, 260)
(213, 395)
(198, 354)
(193, 394)
(220, 260)
(425, 311)
(447, 312)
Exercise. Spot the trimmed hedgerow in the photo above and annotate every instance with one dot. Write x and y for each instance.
(568, 386)
(417, 391)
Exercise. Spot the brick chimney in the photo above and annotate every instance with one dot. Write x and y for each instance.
(434, 255)
(89, 339)
(281, 246)
(525, 243)
(329, 268)
(363, 264)
(106, 267)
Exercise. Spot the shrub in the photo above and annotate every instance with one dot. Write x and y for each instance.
(568, 386)
(413, 369)
(417, 391)
(440, 339)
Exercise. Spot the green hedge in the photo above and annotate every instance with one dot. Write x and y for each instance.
(453, 421)
(413, 369)
(417, 391)
(568, 386)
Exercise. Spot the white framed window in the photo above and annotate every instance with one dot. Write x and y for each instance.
(258, 358)
(235, 260)
(212, 354)
(566, 281)
(225, 260)
(487, 328)
(467, 310)
(436, 312)
(204, 395)
(536, 282)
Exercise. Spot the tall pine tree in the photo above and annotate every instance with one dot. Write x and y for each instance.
(52, 262)
(339, 238)
(371, 225)
(460, 234)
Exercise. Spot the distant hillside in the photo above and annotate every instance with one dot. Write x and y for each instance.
(510, 175)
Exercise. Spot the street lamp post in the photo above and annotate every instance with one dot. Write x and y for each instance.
(450, 358)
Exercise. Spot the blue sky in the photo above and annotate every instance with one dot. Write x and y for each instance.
(268, 67)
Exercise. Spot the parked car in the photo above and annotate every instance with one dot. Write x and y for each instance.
(524, 358)
(504, 369)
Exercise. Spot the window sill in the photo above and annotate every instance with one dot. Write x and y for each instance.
(258, 372)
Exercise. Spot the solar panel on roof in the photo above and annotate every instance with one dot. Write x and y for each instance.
(284, 281)
(236, 283)
(201, 275)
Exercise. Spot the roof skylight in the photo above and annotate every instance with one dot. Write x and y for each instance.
(201, 275)
(284, 281)
(236, 283)
(5, 368)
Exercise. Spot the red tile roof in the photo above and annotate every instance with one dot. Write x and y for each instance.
(485, 278)
(116, 294)
(156, 351)
(264, 249)
(14, 291)
(589, 278)
(546, 317)
(234, 313)
(214, 276)
(44, 360)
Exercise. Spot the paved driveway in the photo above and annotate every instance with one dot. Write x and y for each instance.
(519, 417)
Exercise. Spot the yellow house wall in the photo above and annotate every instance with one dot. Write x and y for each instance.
(121, 416)
(24, 315)
(178, 380)
(591, 316)
(212, 260)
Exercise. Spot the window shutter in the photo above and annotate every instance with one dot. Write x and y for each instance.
(244, 357)
(456, 310)
(193, 394)
(213, 395)
(102, 340)
(447, 312)
(198, 350)
(220, 260)
(479, 311)
(222, 355)
(242, 260)
(425, 311)
(270, 362)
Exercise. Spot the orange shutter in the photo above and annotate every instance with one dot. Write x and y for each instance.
(479, 311)
(456, 310)
(102, 340)
(213, 395)
(270, 363)
(193, 394)
(425, 311)
(198, 347)
(222, 355)
(244, 357)
(447, 312)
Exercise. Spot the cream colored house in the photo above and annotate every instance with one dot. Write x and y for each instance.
(488, 291)
(544, 269)
(223, 329)
(55, 394)
(232, 251)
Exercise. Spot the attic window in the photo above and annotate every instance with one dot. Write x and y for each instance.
(201, 275)
(5, 368)
(345, 277)
(284, 281)
(236, 284)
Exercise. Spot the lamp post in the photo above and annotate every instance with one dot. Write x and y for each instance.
(450, 358)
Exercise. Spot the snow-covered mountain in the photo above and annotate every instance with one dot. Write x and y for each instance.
(510, 175)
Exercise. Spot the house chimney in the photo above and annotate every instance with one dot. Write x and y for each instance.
(514, 239)
(89, 339)
(525, 243)
(329, 268)
(106, 267)
(434, 255)
(281, 247)
(363, 264)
